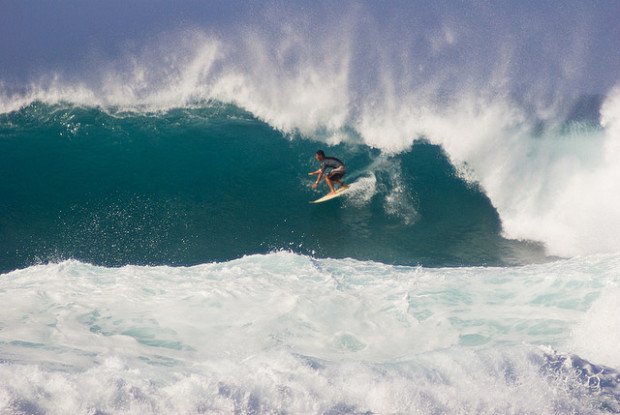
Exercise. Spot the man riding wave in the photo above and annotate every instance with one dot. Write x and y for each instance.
(335, 175)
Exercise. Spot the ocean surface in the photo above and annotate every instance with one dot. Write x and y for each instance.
(196, 185)
(159, 254)
(169, 262)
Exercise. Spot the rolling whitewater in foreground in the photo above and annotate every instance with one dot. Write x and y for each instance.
(158, 253)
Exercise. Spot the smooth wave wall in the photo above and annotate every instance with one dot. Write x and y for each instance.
(191, 186)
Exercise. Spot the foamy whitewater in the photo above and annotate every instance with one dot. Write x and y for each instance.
(158, 254)
(289, 333)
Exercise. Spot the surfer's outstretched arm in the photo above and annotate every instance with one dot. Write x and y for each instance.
(318, 179)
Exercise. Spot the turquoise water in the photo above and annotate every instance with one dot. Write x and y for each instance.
(213, 183)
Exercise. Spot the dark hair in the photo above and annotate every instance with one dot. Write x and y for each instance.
(320, 153)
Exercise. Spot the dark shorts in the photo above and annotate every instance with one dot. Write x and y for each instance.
(336, 174)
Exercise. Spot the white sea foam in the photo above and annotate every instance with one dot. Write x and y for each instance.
(598, 334)
(396, 199)
(362, 190)
(288, 332)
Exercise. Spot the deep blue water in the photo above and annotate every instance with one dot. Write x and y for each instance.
(213, 183)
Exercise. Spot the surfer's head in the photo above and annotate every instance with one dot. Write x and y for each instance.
(320, 155)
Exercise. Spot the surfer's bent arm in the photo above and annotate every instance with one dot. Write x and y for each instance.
(318, 179)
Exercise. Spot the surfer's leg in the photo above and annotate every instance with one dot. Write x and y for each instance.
(336, 177)
(342, 184)
(329, 183)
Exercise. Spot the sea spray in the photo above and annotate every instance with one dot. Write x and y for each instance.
(288, 332)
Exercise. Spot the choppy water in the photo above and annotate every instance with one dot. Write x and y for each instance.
(289, 333)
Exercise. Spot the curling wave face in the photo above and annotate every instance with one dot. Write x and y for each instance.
(191, 186)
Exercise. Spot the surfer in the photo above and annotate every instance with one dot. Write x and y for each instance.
(335, 175)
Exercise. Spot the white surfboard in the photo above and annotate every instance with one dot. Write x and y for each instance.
(329, 196)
